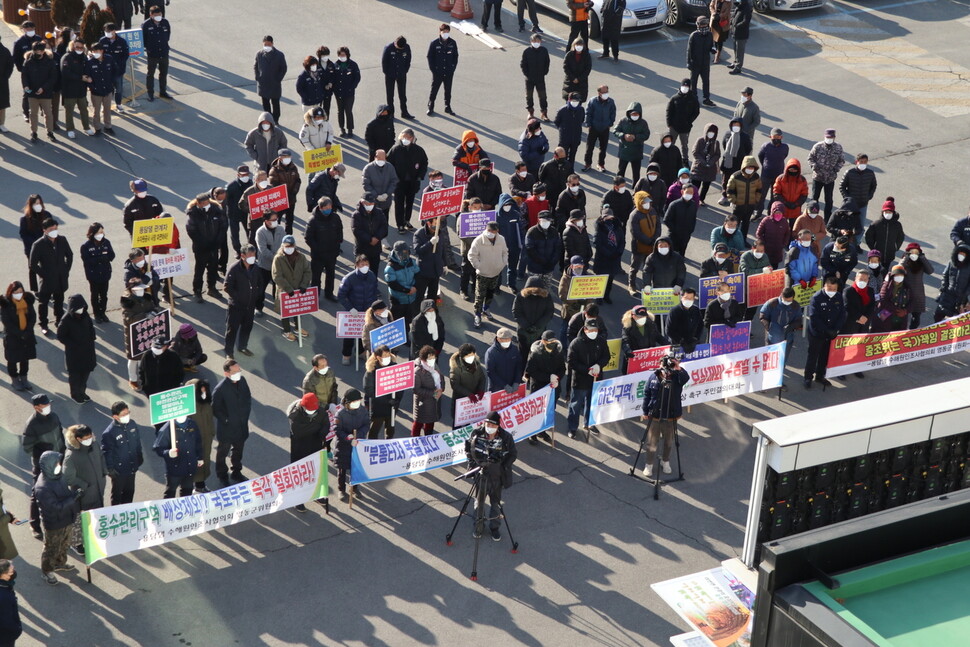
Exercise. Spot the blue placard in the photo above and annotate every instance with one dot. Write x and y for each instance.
(136, 42)
(701, 351)
(393, 334)
(707, 289)
(725, 339)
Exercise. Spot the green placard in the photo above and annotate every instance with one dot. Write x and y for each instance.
(172, 404)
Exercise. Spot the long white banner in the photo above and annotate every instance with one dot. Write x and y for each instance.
(377, 460)
(123, 528)
(711, 378)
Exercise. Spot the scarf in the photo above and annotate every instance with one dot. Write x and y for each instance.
(863, 293)
(21, 307)
(726, 307)
(433, 328)
(731, 148)
(435, 375)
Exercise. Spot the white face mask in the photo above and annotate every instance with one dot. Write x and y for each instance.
(157, 351)
(289, 250)
(342, 59)
(30, 33)
(652, 176)
(406, 142)
(385, 361)
(684, 89)
(37, 207)
(711, 135)
(431, 316)
(267, 48)
(87, 442)
(264, 184)
(684, 180)
(898, 279)
(574, 104)
(468, 359)
(124, 419)
(574, 189)
(95, 55)
(804, 243)
(580, 48)
(914, 257)
(960, 257)
(623, 189)
(368, 208)
(57, 470)
(324, 370)
(544, 224)
(285, 161)
(364, 269)
(17, 296)
(99, 237)
(687, 197)
(431, 360)
(324, 59)
(380, 163)
(250, 260)
(592, 334)
(668, 144)
(235, 377)
(730, 230)
(157, 18)
(726, 296)
(829, 140)
(687, 303)
(79, 311)
(862, 167)
(140, 264)
(265, 126)
(536, 45)
(604, 96)
(490, 235)
(813, 214)
(663, 251)
(353, 406)
(437, 183)
(313, 68)
(640, 320)
(786, 302)
(735, 129)
(138, 292)
(634, 117)
(109, 34)
(873, 265)
(861, 284)
(887, 216)
(522, 173)
(470, 144)
(505, 344)
(445, 35)
(758, 255)
(271, 224)
(748, 171)
(52, 234)
(829, 293)
(318, 121)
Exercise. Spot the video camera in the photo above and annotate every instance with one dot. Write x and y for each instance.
(488, 451)
(668, 364)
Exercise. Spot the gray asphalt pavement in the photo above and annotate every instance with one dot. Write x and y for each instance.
(890, 76)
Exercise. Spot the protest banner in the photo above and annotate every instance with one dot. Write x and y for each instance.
(123, 528)
(648, 359)
(299, 303)
(392, 379)
(142, 332)
(468, 412)
(442, 202)
(498, 400)
(152, 232)
(762, 287)
(461, 175)
(725, 339)
(857, 353)
(350, 324)
(393, 334)
(713, 378)
(614, 346)
(274, 198)
(804, 295)
(660, 300)
(472, 223)
(591, 286)
(378, 460)
(707, 290)
(135, 40)
(175, 263)
(172, 404)
(714, 603)
(320, 159)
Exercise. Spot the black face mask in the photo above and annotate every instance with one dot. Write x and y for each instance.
(792, 172)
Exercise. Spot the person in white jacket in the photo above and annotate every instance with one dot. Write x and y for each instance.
(489, 255)
(316, 131)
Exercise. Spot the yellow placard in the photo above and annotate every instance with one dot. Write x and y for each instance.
(804, 295)
(587, 287)
(614, 346)
(320, 159)
(152, 232)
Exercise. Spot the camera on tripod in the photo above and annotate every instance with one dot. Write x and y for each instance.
(488, 451)
(668, 363)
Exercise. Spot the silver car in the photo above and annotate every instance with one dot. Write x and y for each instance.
(764, 6)
(639, 15)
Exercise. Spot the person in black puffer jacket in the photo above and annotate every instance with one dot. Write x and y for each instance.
(309, 427)
(379, 133)
(39, 77)
(352, 423)
(59, 508)
(324, 235)
(955, 287)
(587, 356)
(532, 309)
(76, 332)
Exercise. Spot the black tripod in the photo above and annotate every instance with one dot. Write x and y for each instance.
(656, 480)
(478, 491)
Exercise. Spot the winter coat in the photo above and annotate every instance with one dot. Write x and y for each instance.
(141, 209)
(42, 433)
(379, 180)
(384, 406)
(826, 315)
(443, 57)
(11, 626)
(854, 309)
(262, 149)
(750, 115)
(575, 242)
(772, 160)
(351, 424)
(466, 379)
(576, 66)
(801, 263)
(532, 309)
(76, 332)
(323, 386)
(121, 447)
(286, 175)
(705, 155)
(676, 191)
(731, 164)
(421, 334)
(780, 321)
(18, 345)
(791, 191)
(886, 236)
(961, 231)
(845, 218)
(816, 225)
(313, 136)
(379, 134)
(306, 430)
(916, 273)
(367, 225)
(742, 189)
(85, 469)
(583, 354)
(600, 115)
(634, 337)
(488, 257)
(401, 276)
(310, 87)
(358, 291)
(409, 162)
(97, 258)
(231, 404)
(156, 36)
(322, 184)
(569, 121)
(396, 62)
(431, 259)
(751, 266)
(682, 111)
(955, 285)
(711, 267)
(485, 186)
(894, 298)
(715, 315)
(661, 271)
(188, 350)
(534, 63)
(699, 46)
(71, 69)
(685, 326)
(511, 225)
(836, 262)
(542, 364)
(134, 309)
(680, 219)
(611, 23)
(206, 229)
(621, 203)
(102, 73)
(468, 158)
(243, 285)
(372, 323)
(543, 249)
(667, 161)
(566, 202)
(158, 373)
(188, 442)
(291, 273)
(860, 185)
(30, 229)
(503, 366)
(632, 151)
(426, 409)
(270, 70)
(609, 241)
(532, 150)
(825, 160)
(51, 261)
(644, 227)
(39, 73)
(664, 403)
(324, 235)
(58, 506)
(734, 241)
(6, 69)
(553, 174)
(741, 19)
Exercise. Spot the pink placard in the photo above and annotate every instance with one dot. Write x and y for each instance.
(300, 303)
(394, 378)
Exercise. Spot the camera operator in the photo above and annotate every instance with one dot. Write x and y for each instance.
(661, 404)
(493, 450)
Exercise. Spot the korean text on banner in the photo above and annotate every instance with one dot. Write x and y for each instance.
(393, 334)
(472, 223)
(804, 295)
(660, 300)
(725, 339)
(762, 287)
(272, 199)
(614, 345)
(350, 325)
(320, 159)
(498, 400)
(707, 290)
(135, 40)
(587, 287)
(123, 528)
(713, 602)
(172, 404)
(442, 202)
(152, 231)
(299, 303)
(470, 413)
(392, 379)
(856, 353)
(461, 175)
(646, 359)
(174, 263)
(377, 460)
(142, 332)
(712, 378)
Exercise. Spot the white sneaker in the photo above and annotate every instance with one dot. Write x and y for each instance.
(4, 129)
(648, 470)
(71, 135)
(119, 110)
(89, 132)
(665, 466)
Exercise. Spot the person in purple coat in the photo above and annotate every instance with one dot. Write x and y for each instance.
(772, 156)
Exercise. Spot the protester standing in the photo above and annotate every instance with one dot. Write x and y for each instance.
(291, 272)
(231, 405)
(18, 318)
(58, 507)
(76, 332)
(270, 70)
(156, 31)
(51, 259)
(381, 408)
(442, 60)
(84, 472)
(181, 460)
(121, 448)
(395, 63)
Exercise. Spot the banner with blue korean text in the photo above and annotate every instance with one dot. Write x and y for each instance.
(377, 460)
(123, 528)
(711, 378)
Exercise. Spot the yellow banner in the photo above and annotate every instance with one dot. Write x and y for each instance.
(320, 159)
(152, 232)
(804, 295)
(587, 287)
(614, 346)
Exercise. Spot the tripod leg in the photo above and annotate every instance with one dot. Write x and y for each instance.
(656, 474)
(515, 544)
(460, 514)
(633, 468)
(479, 529)
(680, 469)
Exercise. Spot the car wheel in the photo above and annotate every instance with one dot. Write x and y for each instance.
(762, 6)
(594, 25)
(673, 14)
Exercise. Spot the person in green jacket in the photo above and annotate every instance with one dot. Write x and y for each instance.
(633, 132)
(291, 273)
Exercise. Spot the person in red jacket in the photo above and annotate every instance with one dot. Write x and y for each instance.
(791, 189)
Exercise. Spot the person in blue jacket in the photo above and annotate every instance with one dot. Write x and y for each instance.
(309, 85)
(401, 273)
(826, 316)
(801, 262)
(503, 363)
(395, 63)
(781, 318)
(97, 256)
(121, 446)
(358, 290)
(116, 48)
(182, 460)
(533, 146)
(442, 61)
(156, 31)
(512, 227)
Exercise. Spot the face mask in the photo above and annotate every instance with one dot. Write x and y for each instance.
(138, 292)
(490, 235)
(381, 315)
(829, 293)
(79, 311)
(684, 89)
(267, 48)
(711, 135)
(324, 59)
(580, 48)
(285, 161)
(861, 284)
(748, 171)
(634, 117)
(862, 167)
(914, 257)
(687, 302)
(324, 370)
(604, 96)
(960, 257)
(667, 144)
(574, 104)
(264, 184)
(505, 344)
(52, 234)
(793, 172)
(313, 68)
(829, 140)
(813, 214)
(109, 34)
(385, 361)
(541, 198)
(720, 259)
(157, 18)
(95, 55)
(468, 359)
(445, 35)
(380, 163)
(776, 142)
(310, 414)
(735, 129)
(157, 351)
(726, 296)
(431, 360)
(687, 197)
(45, 411)
(99, 237)
(140, 264)
(87, 442)
(471, 144)
(490, 430)
(30, 33)
(786, 302)
(652, 176)
(805, 243)
(406, 142)
(684, 180)
(289, 250)
(730, 230)
(536, 45)
(364, 269)
(577, 271)
(57, 470)
(758, 255)
(898, 279)
(342, 59)
(235, 377)
(37, 207)
(663, 251)
(544, 224)
(887, 216)
(271, 224)
(17, 296)
(640, 320)
(592, 334)
(250, 260)
(437, 183)
(124, 419)
(623, 189)
(368, 208)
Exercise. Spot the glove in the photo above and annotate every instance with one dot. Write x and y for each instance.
(302, 290)
(353, 311)
(434, 240)
(677, 289)
(478, 272)
(479, 396)
(594, 369)
(510, 389)
(803, 284)
(629, 355)
(172, 453)
(382, 197)
(647, 289)
(78, 493)
(767, 270)
(811, 283)
(293, 293)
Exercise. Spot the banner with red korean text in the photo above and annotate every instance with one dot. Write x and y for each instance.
(305, 302)
(762, 287)
(469, 411)
(350, 325)
(857, 353)
(272, 199)
(392, 379)
(378, 460)
(442, 202)
(712, 378)
(123, 528)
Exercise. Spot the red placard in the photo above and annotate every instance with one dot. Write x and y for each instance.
(647, 359)
(762, 287)
(393, 379)
(498, 400)
(299, 303)
(442, 202)
(461, 175)
(273, 198)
